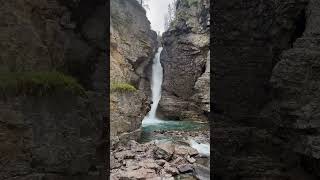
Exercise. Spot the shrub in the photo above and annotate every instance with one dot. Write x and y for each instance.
(38, 83)
(122, 87)
(192, 2)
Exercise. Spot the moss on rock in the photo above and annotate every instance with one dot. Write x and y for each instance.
(122, 87)
(192, 2)
(38, 83)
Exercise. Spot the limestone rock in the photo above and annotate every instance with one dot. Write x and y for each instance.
(149, 164)
(141, 173)
(184, 168)
(202, 172)
(186, 64)
(185, 150)
(164, 151)
(190, 159)
(161, 162)
(125, 166)
(114, 163)
(179, 160)
(132, 47)
(124, 155)
(168, 169)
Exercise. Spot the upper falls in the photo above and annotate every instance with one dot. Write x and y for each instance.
(157, 75)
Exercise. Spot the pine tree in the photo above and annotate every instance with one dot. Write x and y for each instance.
(174, 8)
(172, 11)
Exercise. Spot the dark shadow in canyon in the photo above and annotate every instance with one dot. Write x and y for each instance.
(258, 121)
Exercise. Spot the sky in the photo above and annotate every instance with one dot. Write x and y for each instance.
(158, 8)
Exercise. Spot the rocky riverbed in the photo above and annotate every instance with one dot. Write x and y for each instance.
(162, 159)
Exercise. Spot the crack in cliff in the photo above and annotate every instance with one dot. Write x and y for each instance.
(300, 26)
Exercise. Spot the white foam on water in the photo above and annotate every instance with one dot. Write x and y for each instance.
(203, 149)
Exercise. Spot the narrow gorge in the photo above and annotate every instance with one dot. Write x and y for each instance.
(264, 110)
(159, 93)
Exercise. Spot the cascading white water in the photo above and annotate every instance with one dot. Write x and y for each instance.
(203, 149)
(156, 82)
(157, 75)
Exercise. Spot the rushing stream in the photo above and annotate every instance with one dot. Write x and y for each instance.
(151, 123)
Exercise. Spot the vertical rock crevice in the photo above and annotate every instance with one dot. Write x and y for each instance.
(300, 26)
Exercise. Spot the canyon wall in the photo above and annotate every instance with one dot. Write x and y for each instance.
(132, 48)
(265, 93)
(186, 63)
(53, 89)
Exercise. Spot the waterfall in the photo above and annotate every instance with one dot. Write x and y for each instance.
(156, 82)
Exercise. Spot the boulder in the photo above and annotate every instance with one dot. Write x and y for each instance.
(201, 172)
(185, 150)
(185, 168)
(136, 147)
(164, 151)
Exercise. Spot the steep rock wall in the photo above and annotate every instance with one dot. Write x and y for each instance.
(295, 97)
(265, 89)
(133, 45)
(56, 135)
(185, 60)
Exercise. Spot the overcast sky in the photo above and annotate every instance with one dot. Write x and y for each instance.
(158, 8)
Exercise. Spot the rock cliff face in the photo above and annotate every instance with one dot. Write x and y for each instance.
(55, 135)
(265, 92)
(185, 60)
(133, 45)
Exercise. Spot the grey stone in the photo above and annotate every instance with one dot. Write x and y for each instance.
(164, 151)
(184, 168)
(186, 63)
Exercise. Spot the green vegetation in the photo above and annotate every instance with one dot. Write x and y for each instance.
(180, 16)
(122, 87)
(38, 83)
(192, 2)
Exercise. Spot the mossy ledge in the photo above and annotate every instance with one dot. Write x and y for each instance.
(38, 84)
(122, 87)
